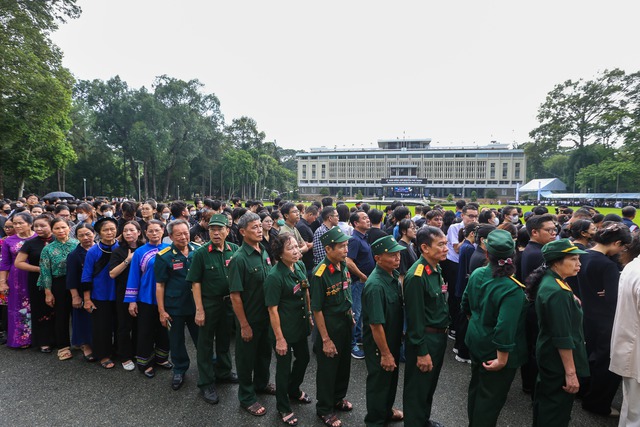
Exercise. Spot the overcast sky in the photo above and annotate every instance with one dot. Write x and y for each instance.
(348, 73)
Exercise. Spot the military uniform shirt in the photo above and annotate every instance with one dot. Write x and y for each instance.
(209, 267)
(247, 270)
(425, 303)
(382, 305)
(171, 268)
(330, 288)
(560, 321)
(286, 290)
(498, 307)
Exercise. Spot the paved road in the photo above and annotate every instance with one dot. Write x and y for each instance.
(38, 390)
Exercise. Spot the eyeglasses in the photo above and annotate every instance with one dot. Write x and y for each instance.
(551, 230)
(8, 227)
(472, 216)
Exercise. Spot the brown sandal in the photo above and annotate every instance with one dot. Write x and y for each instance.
(344, 405)
(289, 419)
(330, 420)
(64, 354)
(255, 409)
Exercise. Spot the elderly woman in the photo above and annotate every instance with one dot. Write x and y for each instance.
(560, 348)
(119, 266)
(153, 340)
(14, 283)
(100, 290)
(495, 303)
(28, 259)
(53, 279)
(287, 298)
(626, 330)
(80, 319)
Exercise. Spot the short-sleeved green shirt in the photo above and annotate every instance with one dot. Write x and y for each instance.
(171, 267)
(331, 288)
(560, 322)
(286, 289)
(209, 267)
(247, 270)
(425, 303)
(382, 305)
(498, 308)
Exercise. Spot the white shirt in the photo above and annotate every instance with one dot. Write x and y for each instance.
(452, 238)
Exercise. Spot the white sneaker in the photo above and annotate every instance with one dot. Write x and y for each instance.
(462, 360)
(455, 350)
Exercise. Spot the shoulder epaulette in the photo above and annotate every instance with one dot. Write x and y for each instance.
(419, 270)
(517, 281)
(564, 285)
(164, 251)
(320, 270)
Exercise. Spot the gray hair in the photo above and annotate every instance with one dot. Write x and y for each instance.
(247, 218)
(175, 222)
(25, 215)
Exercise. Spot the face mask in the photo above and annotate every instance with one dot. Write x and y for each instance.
(108, 214)
(19, 205)
(166, 215)
(7, 211)
(280, 222)
(496, 221)
(514, 218)
(192, 213)
(82, 217)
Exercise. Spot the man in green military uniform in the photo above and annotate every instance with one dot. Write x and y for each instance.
(331, 306)
(382, 318)
(247, 270)
(496, 305)
(175, 299)
(209, 276)
(427, 315)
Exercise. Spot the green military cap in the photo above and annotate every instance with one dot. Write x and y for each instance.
(500, 244)
(559, 249)
(219, 219)
(386, 244)
(335, 235)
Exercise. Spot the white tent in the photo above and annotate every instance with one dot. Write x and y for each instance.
(545, 184)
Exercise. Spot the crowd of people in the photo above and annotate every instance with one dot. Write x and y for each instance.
(556, 296)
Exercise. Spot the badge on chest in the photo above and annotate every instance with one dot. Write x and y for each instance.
(177, 265)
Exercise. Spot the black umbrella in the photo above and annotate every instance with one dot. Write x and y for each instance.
(59, 195)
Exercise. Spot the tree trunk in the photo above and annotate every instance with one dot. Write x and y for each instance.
(21, 187)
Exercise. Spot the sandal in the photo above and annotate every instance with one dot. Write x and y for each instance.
(257, 410)
(64, 354)
(149, 372)
(165, 365)
(304, 398)
(269, 389)
(289, 419)
(45, 349)
(331, 420)
(397, 415)
(107, 364)
(128, 365)
(344, 405)
(89, 357)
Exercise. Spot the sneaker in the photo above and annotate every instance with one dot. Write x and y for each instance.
(462, 360)
(357, 353)
(455, 350)
(452, 334)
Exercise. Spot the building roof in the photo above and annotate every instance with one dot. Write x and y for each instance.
(545, 184)
(590, 196)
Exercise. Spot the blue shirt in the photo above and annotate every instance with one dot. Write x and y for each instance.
(141, 285)
(360, 252)
(466, 251)
(102, 287)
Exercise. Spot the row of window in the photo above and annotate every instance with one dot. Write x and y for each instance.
(414, 156)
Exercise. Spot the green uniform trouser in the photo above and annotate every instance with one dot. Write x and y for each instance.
(419, 387)
(332, 377)
(551, 405)
(289, 378)
(487, 394)
(177, 344)
(217, 323)
(252, 362)
(381, 391)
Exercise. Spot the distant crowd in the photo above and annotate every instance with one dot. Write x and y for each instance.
(555, 296)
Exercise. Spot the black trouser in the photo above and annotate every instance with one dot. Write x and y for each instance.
(461, 332)
(529, 371)
(102, 326)
(603, 384)
(61, 311)
(42, 330)
(126, 334)
(153, 339)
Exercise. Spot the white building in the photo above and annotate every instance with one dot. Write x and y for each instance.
(413, 168)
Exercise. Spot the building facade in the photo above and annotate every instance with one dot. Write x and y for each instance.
(413, 168)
